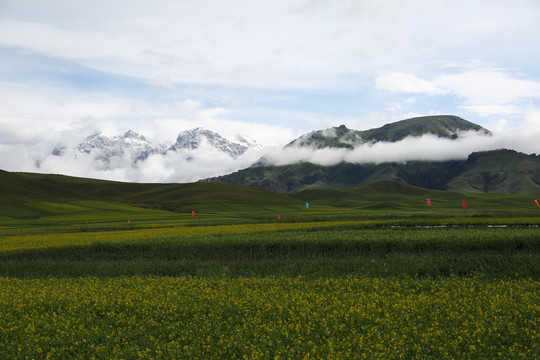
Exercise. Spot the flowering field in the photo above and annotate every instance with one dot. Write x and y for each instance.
(272, 317)
(319, 289)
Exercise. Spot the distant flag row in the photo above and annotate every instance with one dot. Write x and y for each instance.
(463, 203)
(428, 201)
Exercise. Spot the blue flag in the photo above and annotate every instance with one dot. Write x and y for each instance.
(307, 205)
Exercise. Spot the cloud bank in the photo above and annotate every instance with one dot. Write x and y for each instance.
(206, 161)
(525, 138)
(181, 166)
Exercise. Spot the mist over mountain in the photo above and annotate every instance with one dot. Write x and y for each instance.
(436, 152)
(442, 126)
(442, 141)
(193, 139)
(131, 148)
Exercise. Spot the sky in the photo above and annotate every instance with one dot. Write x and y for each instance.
(270, 71)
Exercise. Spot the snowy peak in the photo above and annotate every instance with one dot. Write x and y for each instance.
(131, 144)
(128, 149)
(130, 134)
(250, 143)
(198, 137)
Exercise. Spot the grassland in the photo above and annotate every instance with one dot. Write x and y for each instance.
(370, 272)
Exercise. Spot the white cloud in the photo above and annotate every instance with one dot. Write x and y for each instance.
(181, 166)
(523, 138)
(498, 110)
(285, 44)
(405, 83)
(486, 91)
(269, 71)
(163, 80)
(53, 41)
(488, 86)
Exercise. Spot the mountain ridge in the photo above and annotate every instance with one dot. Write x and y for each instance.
(488, 171)
(502, 170)
(444, 126)
(134, 147)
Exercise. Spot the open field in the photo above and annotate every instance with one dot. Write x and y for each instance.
(270, 317)
(382, 275)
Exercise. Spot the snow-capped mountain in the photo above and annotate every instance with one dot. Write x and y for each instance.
(131, 144)
(195, 138)
(130, 148)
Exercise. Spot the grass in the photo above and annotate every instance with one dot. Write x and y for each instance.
(309, 249)
(271, 317)
(385, 276)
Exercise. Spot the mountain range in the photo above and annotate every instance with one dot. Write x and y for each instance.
(135, 147)
(498, 171)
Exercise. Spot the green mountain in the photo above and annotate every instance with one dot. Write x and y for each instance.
(498, 171)
(446, 126)
(502, 171)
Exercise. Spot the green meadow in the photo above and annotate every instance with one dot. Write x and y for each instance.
(106, 270)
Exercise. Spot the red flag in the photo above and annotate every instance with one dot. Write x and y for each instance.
(464, 205)
(129, 221)
(536, 201)
(278, 217)
(193, 213)
(87, 221)
(429, 201)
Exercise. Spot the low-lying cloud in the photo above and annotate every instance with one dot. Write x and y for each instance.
(180, 166)
(426, 148)
(206, 161)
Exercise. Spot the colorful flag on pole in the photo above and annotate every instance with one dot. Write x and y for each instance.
(429, 201)
(129, 221)
(464, 204)
(193, 213)
(278, 217)
(307, 205)
(536, 201)
(87, 221)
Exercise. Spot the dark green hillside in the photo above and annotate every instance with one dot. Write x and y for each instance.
(498, 171)
(447, 126)
(21, 187)
(388, 192)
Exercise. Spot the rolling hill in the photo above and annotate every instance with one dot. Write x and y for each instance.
(31, 187)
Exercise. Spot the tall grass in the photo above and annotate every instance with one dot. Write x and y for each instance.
(315, 251)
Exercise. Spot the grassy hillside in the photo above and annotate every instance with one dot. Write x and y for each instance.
(25, 187)
(447, 126)
(441, 125)
(498, 171)
(54, 202)
(501, 171)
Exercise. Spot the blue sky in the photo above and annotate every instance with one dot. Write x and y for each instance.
(268, 70)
